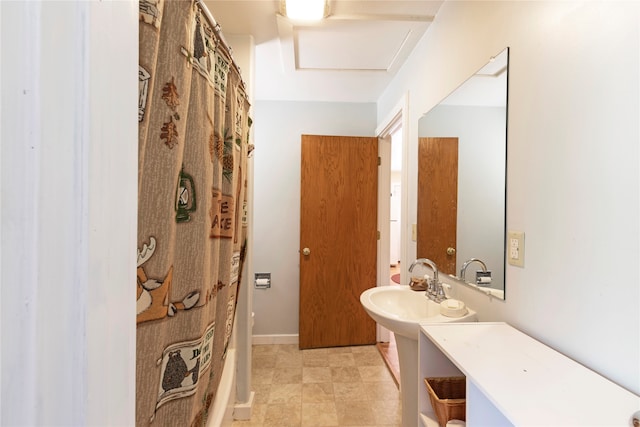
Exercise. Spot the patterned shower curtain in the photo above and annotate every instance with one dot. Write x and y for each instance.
(192, 186)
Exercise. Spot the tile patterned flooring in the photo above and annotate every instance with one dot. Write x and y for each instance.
(343, 386)
(389, 353)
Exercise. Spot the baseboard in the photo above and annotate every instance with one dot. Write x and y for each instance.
(242, 411)
(275, 339)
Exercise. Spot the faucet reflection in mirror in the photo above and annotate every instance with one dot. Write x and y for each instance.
(435, 291)
(474, 117)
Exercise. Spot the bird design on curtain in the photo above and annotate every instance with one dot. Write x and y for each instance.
(192, 187)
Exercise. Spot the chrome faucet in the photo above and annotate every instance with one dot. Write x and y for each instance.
(434, 288)
(463, 270)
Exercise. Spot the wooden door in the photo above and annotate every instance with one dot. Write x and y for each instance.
(338, 225)
(438, 201)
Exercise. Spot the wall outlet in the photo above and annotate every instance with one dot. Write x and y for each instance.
(515, 248)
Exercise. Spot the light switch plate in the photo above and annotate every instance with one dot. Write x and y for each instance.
(414, 232)
(515, 248)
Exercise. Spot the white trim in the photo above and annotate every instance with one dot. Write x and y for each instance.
(275, 339)
(384, 225)
(404, 198)
(243, 411)
(392, 122)
(398, 117)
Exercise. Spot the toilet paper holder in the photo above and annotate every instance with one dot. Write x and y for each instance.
(262, 280)
(483, 278)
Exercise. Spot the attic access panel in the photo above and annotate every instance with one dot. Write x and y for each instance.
(355, 45)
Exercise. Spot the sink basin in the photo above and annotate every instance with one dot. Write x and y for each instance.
(402, 310)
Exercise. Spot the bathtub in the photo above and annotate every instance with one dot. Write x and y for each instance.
(221, 411)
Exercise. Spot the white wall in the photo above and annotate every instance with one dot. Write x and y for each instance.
(69, 209)
(573, 165)
(277, 197)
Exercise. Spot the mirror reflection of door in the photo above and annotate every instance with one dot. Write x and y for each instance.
(438, 201)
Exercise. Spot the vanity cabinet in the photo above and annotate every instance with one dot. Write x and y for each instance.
(514, 380)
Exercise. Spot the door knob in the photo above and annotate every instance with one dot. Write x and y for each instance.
(306, 251)
(451, 251)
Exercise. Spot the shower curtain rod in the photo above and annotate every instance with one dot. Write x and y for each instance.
(218, 29)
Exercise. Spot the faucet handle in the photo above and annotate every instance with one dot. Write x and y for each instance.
(440, 294)
(432, 287)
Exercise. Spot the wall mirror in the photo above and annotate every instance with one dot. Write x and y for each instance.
(462, 178)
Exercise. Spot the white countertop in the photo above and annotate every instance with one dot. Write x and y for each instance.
(529, 382)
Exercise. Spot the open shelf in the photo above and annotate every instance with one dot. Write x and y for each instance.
(514, 380)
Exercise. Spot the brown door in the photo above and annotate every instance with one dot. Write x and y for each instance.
(438, 201)
(338, 234)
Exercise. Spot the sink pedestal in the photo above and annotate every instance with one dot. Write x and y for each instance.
(409, 381)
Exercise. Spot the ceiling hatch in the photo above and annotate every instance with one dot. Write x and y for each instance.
(360, 43)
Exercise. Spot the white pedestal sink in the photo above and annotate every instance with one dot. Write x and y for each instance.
(402, 310)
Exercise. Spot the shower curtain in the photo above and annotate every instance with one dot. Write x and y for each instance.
(192, 186)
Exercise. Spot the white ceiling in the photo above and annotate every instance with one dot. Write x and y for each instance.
(349, 57)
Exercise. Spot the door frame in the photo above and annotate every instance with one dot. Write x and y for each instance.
(398, 117)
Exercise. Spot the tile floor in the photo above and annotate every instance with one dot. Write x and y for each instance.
(344, 386)
(389, 353)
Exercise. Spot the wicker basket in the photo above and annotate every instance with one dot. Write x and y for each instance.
(448, 398)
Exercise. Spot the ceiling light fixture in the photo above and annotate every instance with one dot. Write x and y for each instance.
(305, 10)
